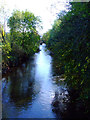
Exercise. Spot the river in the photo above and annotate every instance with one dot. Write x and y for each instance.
(28, 92)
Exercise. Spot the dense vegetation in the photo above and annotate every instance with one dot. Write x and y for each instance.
(22, 40)
(69, 41)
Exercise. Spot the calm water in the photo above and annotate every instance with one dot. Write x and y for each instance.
(28, 92)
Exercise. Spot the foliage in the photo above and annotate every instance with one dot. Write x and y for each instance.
(69, 41)
(23, 38)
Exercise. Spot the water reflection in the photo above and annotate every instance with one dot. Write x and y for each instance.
(31, 90)
(18, 92)
(28, 92)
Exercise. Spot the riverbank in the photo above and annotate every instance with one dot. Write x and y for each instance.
(17, 61)
(67, 105)
(7, 67)
(76, 108)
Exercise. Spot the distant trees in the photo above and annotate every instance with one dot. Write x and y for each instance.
(69, 41)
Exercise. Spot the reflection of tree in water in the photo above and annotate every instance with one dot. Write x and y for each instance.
(60, 101)
(67, 107)
(21, 87)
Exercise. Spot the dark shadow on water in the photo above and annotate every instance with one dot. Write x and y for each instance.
(68, 107)
(19, 88)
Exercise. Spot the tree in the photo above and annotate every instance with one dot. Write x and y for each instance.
(23, 25)
(69, 41)
(23, 38)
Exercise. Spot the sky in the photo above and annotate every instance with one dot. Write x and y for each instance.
(46, 9)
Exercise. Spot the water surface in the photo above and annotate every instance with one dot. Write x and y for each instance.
(28, 91)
